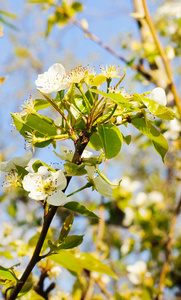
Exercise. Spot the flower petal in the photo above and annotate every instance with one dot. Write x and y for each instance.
(8, 165)
(57, 198)
(158, 95)
(58, 180)
(56, 68)
(102, 187)
(32, 181)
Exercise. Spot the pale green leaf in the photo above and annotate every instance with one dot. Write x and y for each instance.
(66, 227)
(75, 170)
(80, 209)
(7, 274)
(160, 111)
(159, 142)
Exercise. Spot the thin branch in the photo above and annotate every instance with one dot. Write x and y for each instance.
(163, 55)
(93, 37)
(80, 145)
(168, 250)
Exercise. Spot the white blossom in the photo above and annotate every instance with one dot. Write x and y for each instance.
(110, 72)
(119, 120)
(28, 106)
(140, 199)
(11, 180)
(49, 188)
(54, 272)
(155, 197)
(129, 216)
(174, 130)
(11, 164)
(158, 95)
(52, 81)
(99, 183)
(137, 272)
(129, 185)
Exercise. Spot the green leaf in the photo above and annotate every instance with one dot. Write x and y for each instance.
(42, 126)
(37, 164)
(21, 171)
(80, 209)
(7, 274)
(41, 103)
(77, 6)
(67, 260)
(95, 142)
(26, 288)
(127, 139)
(37, 1)
(8, 23)
(117, 98)
(66, 227)
(75, 170)
(6, 254)
(159, 142)
(10, 15)
(160, 111)
(89, 262)
(79, 104)
(78, 262)
(117, 296)
(145, 295)
(98, 80)
(71, 241)
(111, 138)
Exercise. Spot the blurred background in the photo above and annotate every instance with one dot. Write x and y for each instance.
(137, 221)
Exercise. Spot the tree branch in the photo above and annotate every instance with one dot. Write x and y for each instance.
(163, 55)
(80, 145)
(168, 250)
(138, 68)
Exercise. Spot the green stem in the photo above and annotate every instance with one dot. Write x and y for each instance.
(88, 106)
(89, 184)
(105, 178)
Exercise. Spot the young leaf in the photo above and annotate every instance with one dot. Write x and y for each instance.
(117, 98)
(7, 274)
(111, 138)
(127, 139)
(160, 111)
(66, 227)
(159, 142)
(21, 171)
(26, 288)
(70, 242)
(80, 209)
(37, 164)
(74, 170)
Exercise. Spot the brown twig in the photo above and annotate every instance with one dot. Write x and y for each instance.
(80, 145)
(162, 54)
(39, 288)
(168, 250)
(93, 37)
